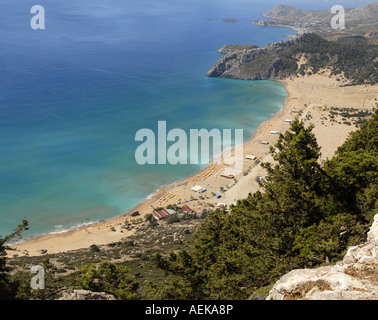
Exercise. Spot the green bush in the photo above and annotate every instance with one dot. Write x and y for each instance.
(306, 216)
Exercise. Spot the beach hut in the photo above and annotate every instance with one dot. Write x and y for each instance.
(198, 189)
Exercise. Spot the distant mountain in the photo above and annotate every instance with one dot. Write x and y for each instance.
(358, 21)
(364, 15)
(284, 11)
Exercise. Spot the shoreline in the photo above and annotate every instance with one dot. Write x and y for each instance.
(304, 97)
(26, 243)
(267, 23)
(30, 243)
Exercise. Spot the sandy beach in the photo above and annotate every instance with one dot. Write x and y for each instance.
(310, 98)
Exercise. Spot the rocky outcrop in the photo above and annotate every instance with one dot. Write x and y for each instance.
(254, 63)
(86, 295)
(354, 278)
(232, 48)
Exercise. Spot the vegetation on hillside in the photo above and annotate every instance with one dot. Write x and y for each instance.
(352, 57)
(306, 216)
(7, 289)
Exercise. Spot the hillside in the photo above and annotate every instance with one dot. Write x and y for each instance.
(352, 57)
(306, 215)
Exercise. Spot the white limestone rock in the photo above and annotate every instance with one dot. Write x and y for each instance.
(354, 278)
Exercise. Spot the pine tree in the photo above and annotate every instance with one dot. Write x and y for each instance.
(304, 215)
(110, 278)
(7, 288)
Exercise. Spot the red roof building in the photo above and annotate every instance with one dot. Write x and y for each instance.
(162, 214)
(186, 209)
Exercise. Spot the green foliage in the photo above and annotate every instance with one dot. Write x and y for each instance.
(150, 218)
(355, 169)
(305, 215)
(21, 281)
(173, 219)
(110, 278)
(7, 288)
(353, 57)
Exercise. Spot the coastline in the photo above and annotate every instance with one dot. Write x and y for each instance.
(308, 95)
(51, 241)
(271, 22)
(77, 237)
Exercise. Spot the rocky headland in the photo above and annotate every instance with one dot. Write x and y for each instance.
(307, 53)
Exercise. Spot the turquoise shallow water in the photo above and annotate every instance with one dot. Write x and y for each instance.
(73, 96)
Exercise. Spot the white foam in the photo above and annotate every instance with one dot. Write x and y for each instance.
(72, 228)
(58, 226)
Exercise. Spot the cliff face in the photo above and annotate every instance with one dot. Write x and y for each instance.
(354, 278)
(250, 63)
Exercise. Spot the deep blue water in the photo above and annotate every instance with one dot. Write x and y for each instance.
(73, 96)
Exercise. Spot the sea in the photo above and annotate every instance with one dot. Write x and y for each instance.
(73, 96)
